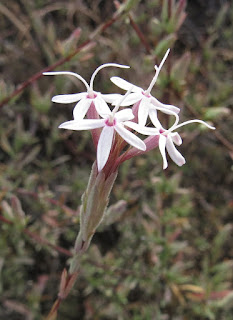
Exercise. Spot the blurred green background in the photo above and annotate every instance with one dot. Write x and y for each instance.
(166, 251)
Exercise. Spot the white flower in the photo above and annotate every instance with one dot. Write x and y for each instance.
(147, 101)
(112, 121)
(85, 99)
(167, 138)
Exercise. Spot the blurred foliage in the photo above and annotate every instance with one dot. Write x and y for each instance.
(165, 252)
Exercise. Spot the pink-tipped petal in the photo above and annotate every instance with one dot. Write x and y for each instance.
(123, 84)
(175, 155)
(130, 137)
(124, 115)
(69, 98)
(81, 109)
(86, 124)
(131, 99)
(162, 148)
(104, 146)
(111, 97)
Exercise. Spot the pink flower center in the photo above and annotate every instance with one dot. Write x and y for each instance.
(163, 132)
(91, 96)
(146, 95)
(110, 123)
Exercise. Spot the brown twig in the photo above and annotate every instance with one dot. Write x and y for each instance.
(52, 201)
(140, 34)
(217, 134)
(60, 62)
(39, 74)
(223, 140)
(14, 19)
(38, 238)
(170, 8)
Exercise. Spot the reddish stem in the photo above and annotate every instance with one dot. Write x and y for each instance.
(140, 34)
(52, 201)
(38, 238)
(39, 74)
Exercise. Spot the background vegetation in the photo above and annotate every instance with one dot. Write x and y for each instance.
(166, 253)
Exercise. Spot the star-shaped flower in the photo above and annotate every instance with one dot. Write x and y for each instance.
(111, 122)
(85, 99)
(147, 101)
(167, 138)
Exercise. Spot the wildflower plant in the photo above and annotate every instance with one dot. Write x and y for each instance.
(115, 122)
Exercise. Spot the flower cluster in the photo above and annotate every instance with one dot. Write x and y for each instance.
(120, 124)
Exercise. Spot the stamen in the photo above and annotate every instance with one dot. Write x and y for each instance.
(91, 95)
(174, 127)
(157, 71)
(54, 73)
(103, 66)
(117, 106)
(110, 122)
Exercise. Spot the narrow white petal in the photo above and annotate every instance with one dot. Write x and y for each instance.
(85, 124)
(166, 107)
(123, 84)
(154, 118)
(101, 106)
(104, 146)
(175, 155)
(176, 138)
(111, 97)
(143, 111)
(131, 99)
(143, 130)
(104, 66)
(124, 115)
(162, 147)
(69, 98)
(130, 137)
(81, 109)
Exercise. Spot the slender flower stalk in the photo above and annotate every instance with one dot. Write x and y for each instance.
(94, 203)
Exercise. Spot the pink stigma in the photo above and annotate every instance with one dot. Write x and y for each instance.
(110, 123)
(93, 96)
(146, 95)
(163, 132)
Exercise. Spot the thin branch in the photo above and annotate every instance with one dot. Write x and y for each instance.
(224, 141)
(217, 134)
(52, 201)
(39, 74)
(60, 62)
(140, 34)
(13, 18)
(38, 238)
(136, 29)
